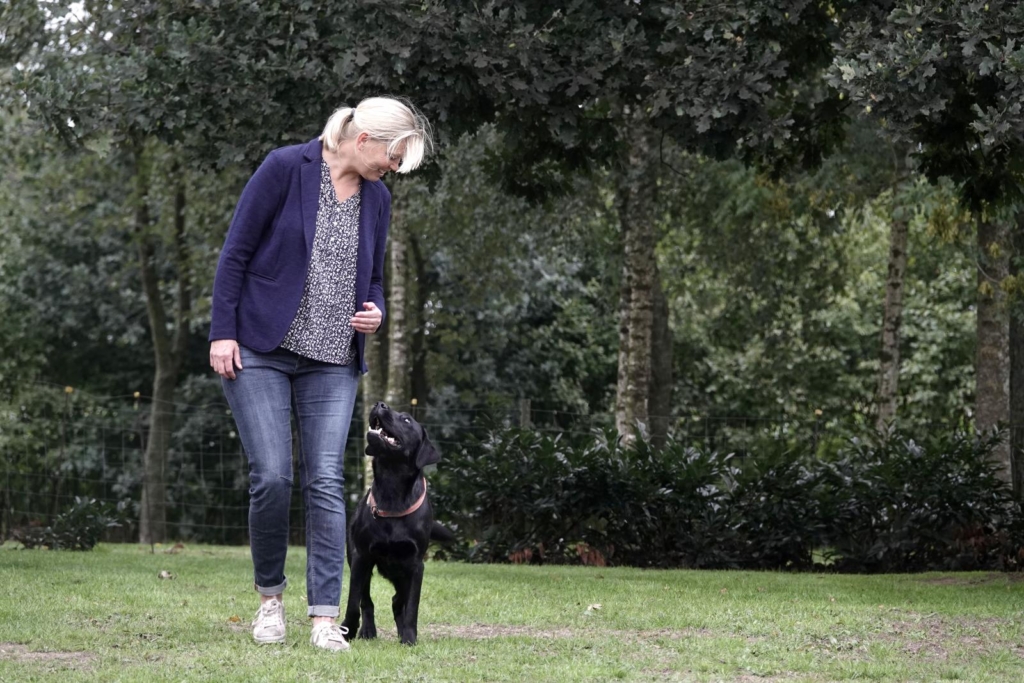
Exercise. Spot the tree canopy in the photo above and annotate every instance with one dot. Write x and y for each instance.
(627, 193)
(946, 78)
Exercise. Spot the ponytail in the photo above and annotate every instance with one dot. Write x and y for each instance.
(339, 127)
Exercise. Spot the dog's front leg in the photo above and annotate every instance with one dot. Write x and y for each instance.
(398, 607)
(410, 606)
(369, 627)
(359, 595)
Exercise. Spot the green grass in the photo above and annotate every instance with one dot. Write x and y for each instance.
(105, 615)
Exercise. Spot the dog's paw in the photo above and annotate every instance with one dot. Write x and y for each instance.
(367, 632)
(408, 637)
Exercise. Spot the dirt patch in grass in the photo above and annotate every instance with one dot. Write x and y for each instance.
(12, 652)
(930, 636)
(674, 675)
(487, 631)
(755, 678)
(991, 577)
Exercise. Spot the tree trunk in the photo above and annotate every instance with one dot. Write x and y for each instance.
(5, 513)
(398, 385)
(636, 215)
(892, 319)
(992, 366)
(373, 385)
(153, 514)
(374, 382)
(661, 368)
(418, 325)
(168, 352)
(1017, 360)
(621, 421)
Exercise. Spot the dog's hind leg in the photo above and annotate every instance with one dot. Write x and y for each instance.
(359, 602)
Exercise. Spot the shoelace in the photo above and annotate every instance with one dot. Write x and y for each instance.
(334, 632)
(266, 615)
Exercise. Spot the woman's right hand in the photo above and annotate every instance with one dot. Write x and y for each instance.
(225, 357)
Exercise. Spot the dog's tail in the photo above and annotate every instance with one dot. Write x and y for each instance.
(441, 533)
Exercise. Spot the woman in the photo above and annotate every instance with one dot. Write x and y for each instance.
(298, 286)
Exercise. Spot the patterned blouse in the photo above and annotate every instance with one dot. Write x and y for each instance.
(321, 329)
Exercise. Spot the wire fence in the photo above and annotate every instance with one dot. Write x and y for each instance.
(62, 444)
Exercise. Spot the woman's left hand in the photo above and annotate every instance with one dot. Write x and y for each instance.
(367, 321)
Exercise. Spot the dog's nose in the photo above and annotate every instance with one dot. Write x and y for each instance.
(381, 405)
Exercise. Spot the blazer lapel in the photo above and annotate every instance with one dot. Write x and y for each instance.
(309, 184)
(369, 208)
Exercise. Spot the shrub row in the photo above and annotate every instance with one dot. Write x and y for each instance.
(80, 527)
(883, 504)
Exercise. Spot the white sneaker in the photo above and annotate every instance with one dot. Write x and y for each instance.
(329, 636)
(268, 624)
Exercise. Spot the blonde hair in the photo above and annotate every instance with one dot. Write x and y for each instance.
(387, 119)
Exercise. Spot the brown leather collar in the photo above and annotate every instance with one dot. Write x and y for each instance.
(378, 513)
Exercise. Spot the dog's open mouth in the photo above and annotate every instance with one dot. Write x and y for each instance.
(378, 429)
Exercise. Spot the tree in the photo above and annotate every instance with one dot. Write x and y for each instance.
(152, 81)
(892, 312)
(911, 201)
(581, 86)
(992, 367)
(775, 288)
(509, 295)
(945, 78)
(1017, 358)
(399, 377)
(72, 311)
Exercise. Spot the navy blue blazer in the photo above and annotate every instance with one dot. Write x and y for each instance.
(262, 269)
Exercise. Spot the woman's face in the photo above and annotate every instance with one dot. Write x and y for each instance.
(376, 161)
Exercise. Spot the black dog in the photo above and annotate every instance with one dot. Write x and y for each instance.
(392, 524)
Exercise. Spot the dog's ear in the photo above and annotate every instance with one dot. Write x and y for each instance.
(426, 454)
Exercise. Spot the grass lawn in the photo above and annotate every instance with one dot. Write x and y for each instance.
(106, 615)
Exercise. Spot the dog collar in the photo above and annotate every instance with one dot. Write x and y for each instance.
(378, 513)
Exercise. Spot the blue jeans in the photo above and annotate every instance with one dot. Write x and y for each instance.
(266, 390)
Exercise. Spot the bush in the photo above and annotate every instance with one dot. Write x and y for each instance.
(525, 497)
(776, 497)
(882, 504)
(897, 505)
(681, 515)
(79, 528)
(499, 496)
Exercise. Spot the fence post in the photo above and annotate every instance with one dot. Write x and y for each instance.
(524, 413)
(5, 515)
(817, 431)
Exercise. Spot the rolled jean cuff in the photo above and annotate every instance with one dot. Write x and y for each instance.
(323, 611)
(272, 590)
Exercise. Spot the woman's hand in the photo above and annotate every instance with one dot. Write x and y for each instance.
(367, 321)
(225, 357)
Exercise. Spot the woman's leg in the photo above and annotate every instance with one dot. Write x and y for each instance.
(260, 400)
(324, 396)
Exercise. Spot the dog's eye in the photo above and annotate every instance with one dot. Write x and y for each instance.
(407, 420)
